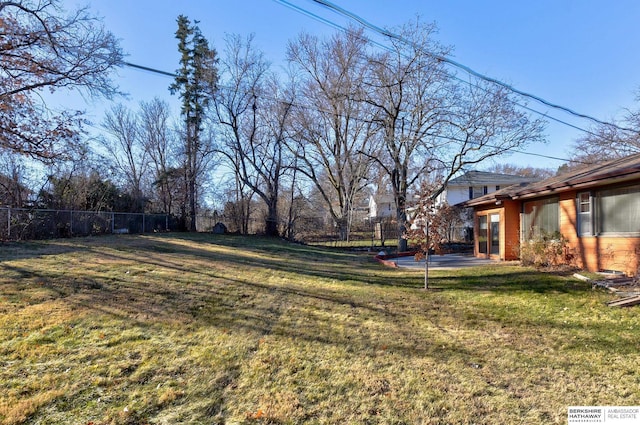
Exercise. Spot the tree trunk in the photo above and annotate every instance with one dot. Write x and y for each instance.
(271, 222)
(403, 244)
(192, 203)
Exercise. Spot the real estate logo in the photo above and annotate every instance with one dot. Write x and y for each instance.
(614, 415)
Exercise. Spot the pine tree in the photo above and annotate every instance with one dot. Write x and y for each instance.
(195, 82)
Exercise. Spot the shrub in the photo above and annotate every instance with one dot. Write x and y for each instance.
(544, 251)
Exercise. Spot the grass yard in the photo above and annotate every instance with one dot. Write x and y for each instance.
(170, 329)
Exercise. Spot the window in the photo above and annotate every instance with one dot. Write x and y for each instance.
(585, 225)
(497, 188)
(540, 218)
(485, 190)
(477, 191)
(618, 210)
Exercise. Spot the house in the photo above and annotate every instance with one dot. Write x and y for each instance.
(382, 212)
(381, 206)
(474, 184)
(594, 210)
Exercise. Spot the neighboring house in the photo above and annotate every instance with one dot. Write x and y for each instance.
(381, 206)
(474, 184)
(382, 212)
(595, 209)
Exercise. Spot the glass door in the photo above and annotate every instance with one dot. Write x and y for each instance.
(495, 234)
(482, 234)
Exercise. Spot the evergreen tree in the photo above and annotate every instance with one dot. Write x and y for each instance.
(195, 82)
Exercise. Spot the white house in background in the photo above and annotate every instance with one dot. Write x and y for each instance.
(381, 206)
(474, 184)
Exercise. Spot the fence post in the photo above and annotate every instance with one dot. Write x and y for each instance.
(8, 223)
(143, 222)
(113, 222)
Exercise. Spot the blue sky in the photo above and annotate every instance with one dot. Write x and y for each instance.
(582, 54)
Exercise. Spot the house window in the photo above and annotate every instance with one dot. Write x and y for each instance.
(619, 210)
(485, 190)
(497, 188)
(585, 225)
(540, 218)
(477, 191)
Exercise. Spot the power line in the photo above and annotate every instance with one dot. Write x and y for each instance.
(146, 68)
(385, 47)
(388, 34)
(316, 109)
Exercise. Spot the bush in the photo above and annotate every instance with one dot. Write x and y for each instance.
(544, 251)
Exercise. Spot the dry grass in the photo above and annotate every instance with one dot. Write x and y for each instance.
(172, 329)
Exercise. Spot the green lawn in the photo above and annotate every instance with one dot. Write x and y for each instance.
(170, 329)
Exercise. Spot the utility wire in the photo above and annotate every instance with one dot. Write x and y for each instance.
(356, 118)
(146, 68)
(388, 34)
(455, 77)
(391, 35)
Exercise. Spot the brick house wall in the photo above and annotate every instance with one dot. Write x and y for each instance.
(596, 253)
(593, 253)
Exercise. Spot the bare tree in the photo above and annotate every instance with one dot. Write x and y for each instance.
(484, 122)
(42, 49)
(126, 151)
(254, 112)
(14, 191)
(408, 87)
(334, 143)
(605, 142)
(523, 171)
(238, 205)
(160, 144)
(431, 120)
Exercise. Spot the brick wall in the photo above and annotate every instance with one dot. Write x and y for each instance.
(593, 253)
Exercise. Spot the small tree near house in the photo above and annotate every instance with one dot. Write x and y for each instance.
(430, 225)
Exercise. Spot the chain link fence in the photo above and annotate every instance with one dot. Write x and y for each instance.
(27, 224)
(31, 224)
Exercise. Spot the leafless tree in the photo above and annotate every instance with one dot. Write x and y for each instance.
(408, 86)
(484, 122)
(14, 191)
(605, 142)
(45, 49)
(125, 151)
(161, 146)
(434, 121)
(254, 111)
(523, 171)
(334, 141)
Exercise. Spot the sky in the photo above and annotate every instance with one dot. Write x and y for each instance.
(581, 54)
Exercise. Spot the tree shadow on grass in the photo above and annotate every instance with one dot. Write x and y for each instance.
(206, 290)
